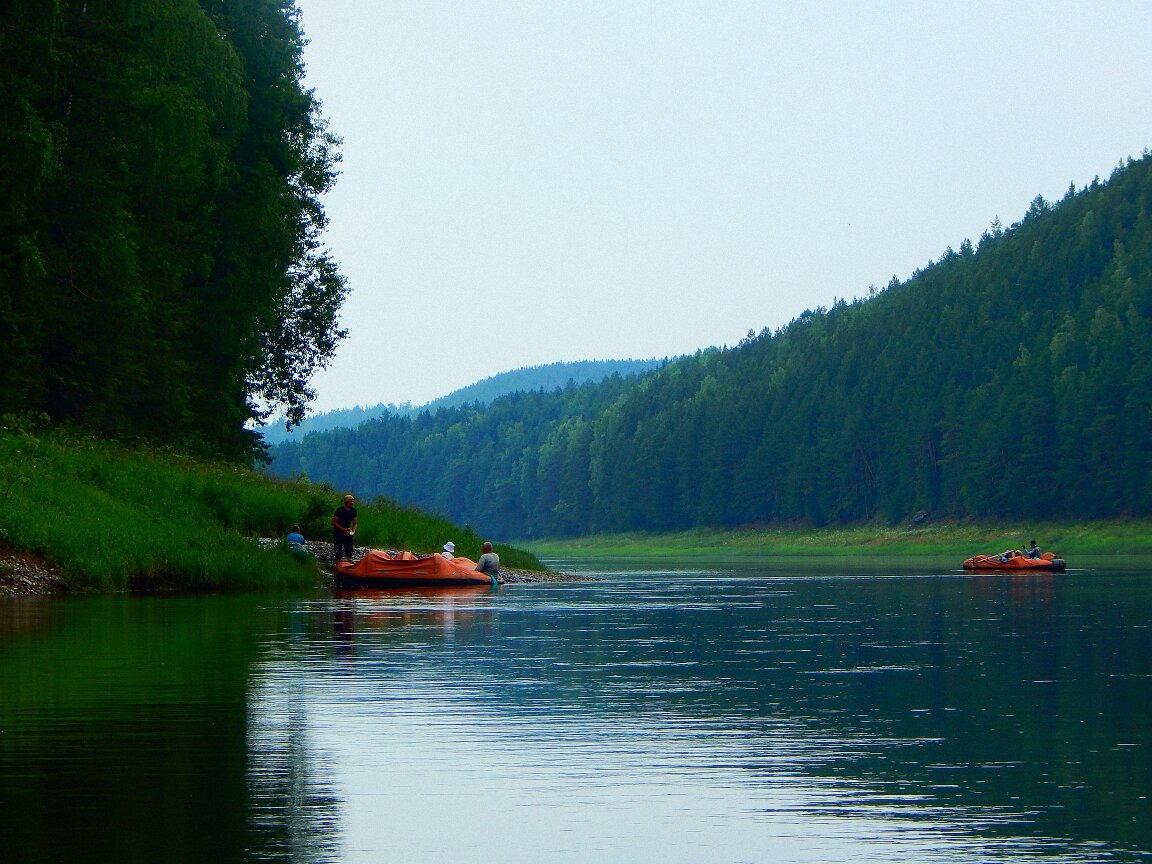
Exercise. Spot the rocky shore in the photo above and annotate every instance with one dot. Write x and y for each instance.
(22, 574)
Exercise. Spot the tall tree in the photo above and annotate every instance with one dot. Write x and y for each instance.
(162, 274)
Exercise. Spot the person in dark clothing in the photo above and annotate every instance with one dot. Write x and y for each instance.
(344, 527)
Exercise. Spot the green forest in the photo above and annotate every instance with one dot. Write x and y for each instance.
(1011, 378)
(162, 279)
(163, 283)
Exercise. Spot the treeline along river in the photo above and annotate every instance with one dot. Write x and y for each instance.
(1009, 380)
(761, 711)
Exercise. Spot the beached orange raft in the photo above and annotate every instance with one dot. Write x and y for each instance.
(1014, 562)
(387, 568)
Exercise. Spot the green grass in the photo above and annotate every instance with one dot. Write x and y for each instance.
(1115, 537)
(110, 518)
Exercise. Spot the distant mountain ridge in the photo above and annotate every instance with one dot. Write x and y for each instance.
(547, 377)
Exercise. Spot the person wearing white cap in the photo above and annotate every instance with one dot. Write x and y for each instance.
(449, 550)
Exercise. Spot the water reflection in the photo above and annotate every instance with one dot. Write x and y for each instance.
(293, 808)
(747, 713)
(836, 719)
(123, 731)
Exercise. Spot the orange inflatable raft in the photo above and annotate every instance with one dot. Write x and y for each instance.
(1014, 561)
(386, 568)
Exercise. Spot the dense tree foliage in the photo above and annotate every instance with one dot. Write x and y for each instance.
(1009, 380)
(551, 376)
(161, 276)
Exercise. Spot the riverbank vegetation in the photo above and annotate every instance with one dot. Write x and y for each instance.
(111, 518)
(1008, 381)
(949, 540)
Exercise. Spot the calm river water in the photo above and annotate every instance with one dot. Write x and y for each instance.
(767, 711)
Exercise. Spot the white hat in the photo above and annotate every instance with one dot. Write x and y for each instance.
(450, 546)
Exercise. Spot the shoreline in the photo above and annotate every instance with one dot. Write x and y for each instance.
(27, 574)
(23, 574)
(1070, 540)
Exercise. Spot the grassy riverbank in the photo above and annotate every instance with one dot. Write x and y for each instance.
(108, 518)
(952, 540)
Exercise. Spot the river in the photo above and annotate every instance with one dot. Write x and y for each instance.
(739, 711)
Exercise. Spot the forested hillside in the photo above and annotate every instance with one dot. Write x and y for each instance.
(161, 275)
(551, 376)
(1012, 378)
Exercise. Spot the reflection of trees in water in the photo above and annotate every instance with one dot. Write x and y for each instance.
(1009, 706)
(294, 815)
(123, 728)
(1002, 696)
(993, 699)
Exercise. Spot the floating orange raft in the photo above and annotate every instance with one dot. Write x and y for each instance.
(1014, 561)
(385, 568)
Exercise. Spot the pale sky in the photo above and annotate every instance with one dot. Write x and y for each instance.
(526, 182)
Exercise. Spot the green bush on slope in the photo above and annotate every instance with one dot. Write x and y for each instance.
(113, 518)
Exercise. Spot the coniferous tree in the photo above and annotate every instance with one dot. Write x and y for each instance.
(161, 277)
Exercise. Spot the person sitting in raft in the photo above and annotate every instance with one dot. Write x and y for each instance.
(1033, 551)
(297, 545)
(489, 562)
(449, 550)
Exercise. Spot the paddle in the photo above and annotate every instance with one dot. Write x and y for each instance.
(985, 559)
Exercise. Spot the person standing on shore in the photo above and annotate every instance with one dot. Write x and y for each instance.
(344, 527)
(489, 562)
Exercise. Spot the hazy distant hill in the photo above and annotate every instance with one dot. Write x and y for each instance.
(1009, 379)
(552, 376)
